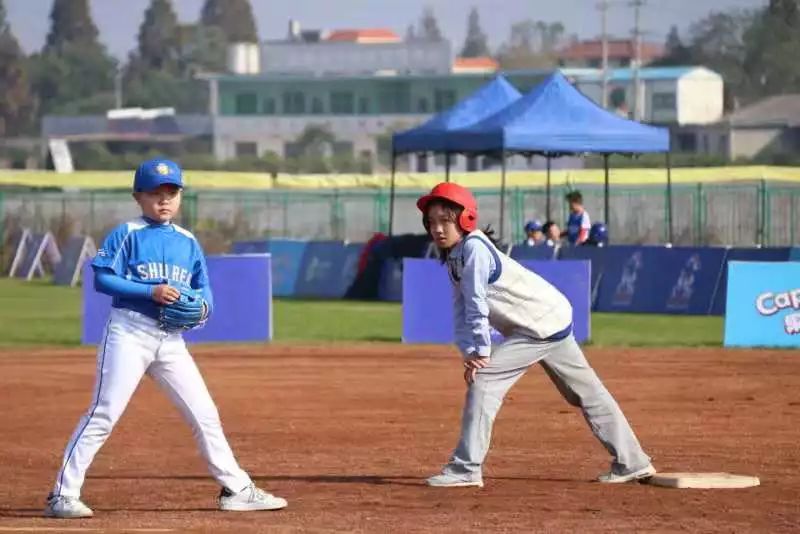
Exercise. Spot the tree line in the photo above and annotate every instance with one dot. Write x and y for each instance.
(74, 73)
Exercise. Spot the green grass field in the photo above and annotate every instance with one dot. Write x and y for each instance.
(39, 313)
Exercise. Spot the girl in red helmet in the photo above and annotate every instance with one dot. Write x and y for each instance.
(491, 289)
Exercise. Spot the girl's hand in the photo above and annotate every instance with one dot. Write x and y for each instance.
(471, 366)
(165, 294)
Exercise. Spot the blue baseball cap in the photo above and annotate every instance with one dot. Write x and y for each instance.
(533, 226)
(155, 172)
(599, 233)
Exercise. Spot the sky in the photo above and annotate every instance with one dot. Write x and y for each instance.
(119, 20)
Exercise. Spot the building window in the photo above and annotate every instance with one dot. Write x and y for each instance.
(594, 63)
(687, 142)
(268, 106)
(246, 104)
(316, 106)
(246, 148)
(363, 105)
(422, 105)
(444, 99)
(664, 102)
(294, 103)
(342, 103)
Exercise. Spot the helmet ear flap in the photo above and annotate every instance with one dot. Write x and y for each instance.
(468, 221)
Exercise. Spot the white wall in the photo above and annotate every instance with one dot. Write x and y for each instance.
(700, 98)
(750, 142)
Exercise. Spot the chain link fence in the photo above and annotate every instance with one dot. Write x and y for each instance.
(742, 214)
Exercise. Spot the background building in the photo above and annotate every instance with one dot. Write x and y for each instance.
(621, 53)
(352, 52)
(765, 129)
(350, 89)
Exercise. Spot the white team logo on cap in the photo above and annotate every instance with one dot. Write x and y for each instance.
(162, 169)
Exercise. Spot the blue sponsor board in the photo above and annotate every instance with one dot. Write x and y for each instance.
(287, 258)
(234, 280)
(428, 297)
(539, 252)
(321, 270)
(250, 247)
(595, 256)
(678, 280)
(742, 254)
(390, 287)
(763, 304)
(349, 270)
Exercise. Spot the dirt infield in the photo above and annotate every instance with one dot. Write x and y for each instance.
(348, 433)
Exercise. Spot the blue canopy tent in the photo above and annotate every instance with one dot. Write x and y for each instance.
(556, 119)
(433, 135)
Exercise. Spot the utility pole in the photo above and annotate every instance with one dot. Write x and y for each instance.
(637, 55)
(603, 7)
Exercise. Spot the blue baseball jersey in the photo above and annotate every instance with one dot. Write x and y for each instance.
(153, 253)
(576, 223)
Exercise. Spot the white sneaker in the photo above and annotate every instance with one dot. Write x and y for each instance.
(249, 499)
(613, 478)
(450, 480)
(64, 507)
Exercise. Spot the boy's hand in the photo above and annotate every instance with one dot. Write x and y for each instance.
(471, 366)
(165, 294)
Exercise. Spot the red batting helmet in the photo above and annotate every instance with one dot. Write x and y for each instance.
(468, 221)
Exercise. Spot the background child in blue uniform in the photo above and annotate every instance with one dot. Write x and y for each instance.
(578, 223)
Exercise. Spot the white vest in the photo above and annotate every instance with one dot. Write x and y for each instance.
(520, 301)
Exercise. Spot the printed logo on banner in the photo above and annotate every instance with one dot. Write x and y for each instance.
(769, 303)
(320, 274)
(318, 268)
(791, 324)
(681, 294)
(626, 288)
(763, 304)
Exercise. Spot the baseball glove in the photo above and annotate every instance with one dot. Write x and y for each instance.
(189, 311)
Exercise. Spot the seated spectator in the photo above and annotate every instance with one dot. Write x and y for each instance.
(552, 234)
(578, 224)
(598, 236)
(533, 231)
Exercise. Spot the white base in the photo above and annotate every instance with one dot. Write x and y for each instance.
(703, 480)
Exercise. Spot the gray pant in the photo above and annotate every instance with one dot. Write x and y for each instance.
(565, 364)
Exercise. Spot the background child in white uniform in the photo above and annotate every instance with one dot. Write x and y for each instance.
(149, 265)
(536, 320)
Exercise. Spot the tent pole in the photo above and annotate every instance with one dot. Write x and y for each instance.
(502, 192)
(447, 166)
(391, 193)
(606, 211)
(669, 198)
(548, 187)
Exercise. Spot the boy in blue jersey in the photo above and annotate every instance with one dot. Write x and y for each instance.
(578, 224)
(146, 265)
